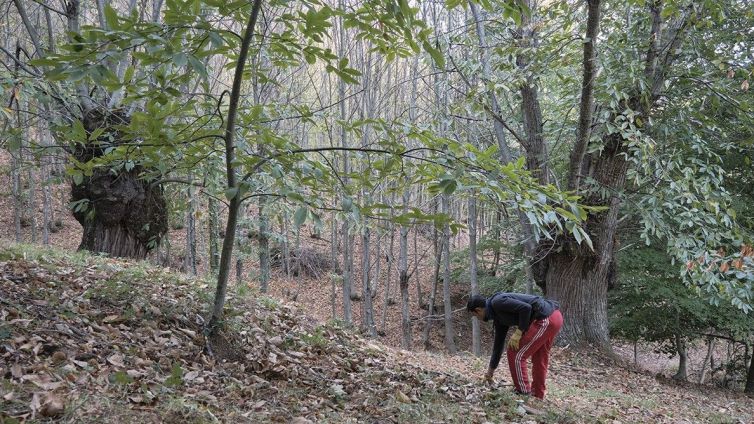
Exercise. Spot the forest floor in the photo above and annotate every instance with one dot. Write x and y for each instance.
(90, 339)
(129, 333)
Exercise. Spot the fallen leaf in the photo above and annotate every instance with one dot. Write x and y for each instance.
(401, 397)
(116, 359)
(52, 406)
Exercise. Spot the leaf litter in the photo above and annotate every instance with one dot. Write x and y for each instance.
(89, 339)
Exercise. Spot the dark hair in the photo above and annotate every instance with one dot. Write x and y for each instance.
(476, 301)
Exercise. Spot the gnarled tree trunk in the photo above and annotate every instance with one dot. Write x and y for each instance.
(126, 215)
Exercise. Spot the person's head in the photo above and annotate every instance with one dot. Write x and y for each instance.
(476, 306)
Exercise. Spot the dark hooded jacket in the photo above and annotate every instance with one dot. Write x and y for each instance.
(508, 309)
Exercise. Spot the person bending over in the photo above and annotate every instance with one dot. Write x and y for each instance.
(538, 321)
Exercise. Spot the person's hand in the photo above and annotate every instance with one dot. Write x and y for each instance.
(515, 339)
(488, 375)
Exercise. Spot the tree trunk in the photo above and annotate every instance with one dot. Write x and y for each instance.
(367, 312)
(450, 343)
(680, 346)
(707, 360)
(587, 94)
(214, 235)
(390, 264)
(476, 346)
(230, 167)
(264, 246)
(16, 177)
(403, 279)
(46, 202)
(347, 273)
(419, 296)
(190, 262)
(287, 268)
(335, 264)
(126, 216)
(749, 388)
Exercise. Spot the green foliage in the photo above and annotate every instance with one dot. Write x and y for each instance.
(653, 304)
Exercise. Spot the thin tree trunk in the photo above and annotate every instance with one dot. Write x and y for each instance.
(403, 278)
(335, 264)
(431, 306)
(707, 359)
(347, 273)
(450, 343)
(390, 263)
(46, 216)
(476, 346)
(367, 312)
(16, 176)
(214, 234)
(31, 205)
(286, 247)
(749, 388)
(264, 246)
(347, 237)
(419, 296)
(235, 201)
(190, 262)
(680, 346)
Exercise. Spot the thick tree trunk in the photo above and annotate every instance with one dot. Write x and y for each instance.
(125, 216)
(577, 276)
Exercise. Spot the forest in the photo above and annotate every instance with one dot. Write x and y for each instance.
(272, 201)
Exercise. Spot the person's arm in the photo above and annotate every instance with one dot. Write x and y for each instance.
(512, 305)
(497, 348)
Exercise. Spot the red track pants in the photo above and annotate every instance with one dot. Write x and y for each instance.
(535, 344)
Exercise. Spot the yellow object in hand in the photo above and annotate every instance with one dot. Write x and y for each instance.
(515, 339)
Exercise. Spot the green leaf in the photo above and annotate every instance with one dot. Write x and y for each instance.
(111, 17)
(300, 216)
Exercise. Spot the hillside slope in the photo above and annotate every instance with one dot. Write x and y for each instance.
(91, 339)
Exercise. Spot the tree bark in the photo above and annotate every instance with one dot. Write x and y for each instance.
(190, 262)
(214, 235)
(576, 276)
(476, 346)
(367, 312)
(749, 388)
(235, 201)
(264, 246)
(450, 343)
(707, 359)
(403, 280)
(680, 345)
(587, 94)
